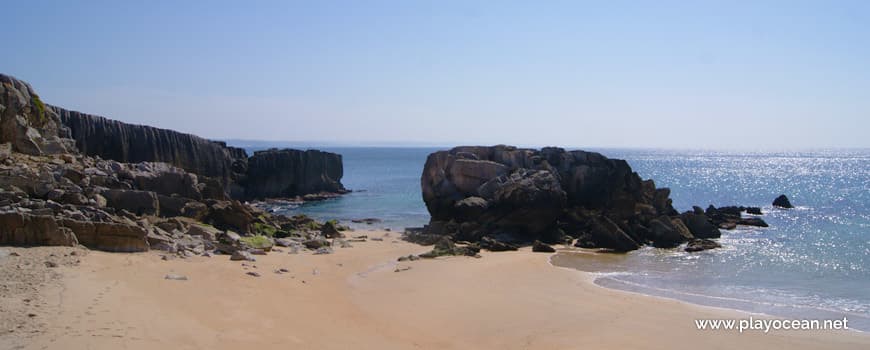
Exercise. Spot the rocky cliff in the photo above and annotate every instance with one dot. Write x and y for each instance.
(149, 188)
(129, 143)
(27, 123)
(289, 173)
(502, 196)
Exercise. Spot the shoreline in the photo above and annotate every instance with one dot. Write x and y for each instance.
(595, 276)
(615, 273)
(363, 296)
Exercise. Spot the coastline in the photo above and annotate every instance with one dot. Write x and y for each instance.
(355, 297)
(606, 281)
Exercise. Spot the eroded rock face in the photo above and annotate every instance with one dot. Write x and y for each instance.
(27, 123)
(129, 143)
(289, 173)
(33, 230)
(523, 194)
(176, 201)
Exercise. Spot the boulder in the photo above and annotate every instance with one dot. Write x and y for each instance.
(208, 233)
(316, 243)
(329, 230)
(242, 255)
(606, 234)
(195, 210)
(697, 245)
(667, 233)
(700, 226)
(137, 202)
(782, 202)
(541, 247)
(109, 236)
(231, 215)
(494, 245)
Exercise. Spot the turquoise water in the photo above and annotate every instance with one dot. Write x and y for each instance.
(812, 262)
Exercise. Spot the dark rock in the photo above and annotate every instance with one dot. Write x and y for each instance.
(697, 245)
(329, 230)
(195, 210)
(782, 202)
(289, 173)
(700, 226)
(526, 195)
(316, 243)
(137, 202)
(667, 233)
(171, 206)
(231, 215)
(128, 143)
(494, 245)
(541, 247)
(367, 221)
(758, 222)
(470, 208)
(608, 235)
(446, 247)
(526, 202)
(754, 211)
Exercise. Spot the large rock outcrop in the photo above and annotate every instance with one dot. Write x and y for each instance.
(271, 173)
(135, 188)
(129, 143)
(289, 173)
(520, 195)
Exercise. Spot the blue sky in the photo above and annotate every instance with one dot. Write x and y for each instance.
(686, 74)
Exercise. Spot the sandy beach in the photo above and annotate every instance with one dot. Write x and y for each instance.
(361, 297)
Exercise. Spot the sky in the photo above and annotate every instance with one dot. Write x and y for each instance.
(639, 74)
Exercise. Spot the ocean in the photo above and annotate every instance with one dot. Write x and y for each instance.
(812, 262)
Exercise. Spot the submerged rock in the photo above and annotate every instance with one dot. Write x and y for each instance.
(697, 245)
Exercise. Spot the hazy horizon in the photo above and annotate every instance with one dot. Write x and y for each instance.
(778, 75)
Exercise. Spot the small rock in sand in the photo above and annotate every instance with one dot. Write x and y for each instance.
(175, 277)
(50, 264)
(323, 250)
(403, 268)
(242, 255)
(257, 251)
(253, 273)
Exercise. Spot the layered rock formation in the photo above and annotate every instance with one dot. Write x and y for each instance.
(129, 143)
(289, 173)
(502, 196)
(52, 194)
(271, 173)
